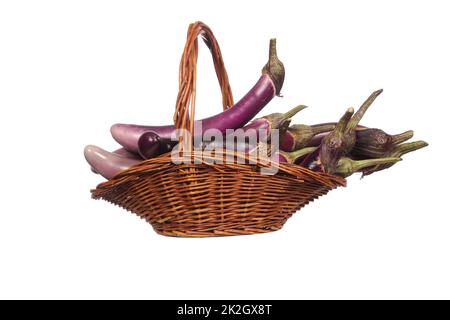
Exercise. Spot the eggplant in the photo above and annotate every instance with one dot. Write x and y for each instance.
(375, 143)
(267, 87)
(123, 153)
(263, 127)
(151, 145)
(107, 164)
(127, 154)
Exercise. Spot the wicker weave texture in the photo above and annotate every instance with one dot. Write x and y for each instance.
(204, 200)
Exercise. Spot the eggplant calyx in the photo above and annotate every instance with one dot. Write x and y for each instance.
(347, 166)
(362, 110)
(274, 67)
(402, 137)
(405, 148)
(279, 120)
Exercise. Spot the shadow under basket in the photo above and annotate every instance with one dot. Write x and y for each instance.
(208, 200)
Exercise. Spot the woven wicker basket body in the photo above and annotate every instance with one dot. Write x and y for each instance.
(203, 199)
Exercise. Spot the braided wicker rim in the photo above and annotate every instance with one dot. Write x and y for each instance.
(165, 161)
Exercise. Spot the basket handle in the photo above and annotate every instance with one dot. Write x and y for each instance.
(185, 104)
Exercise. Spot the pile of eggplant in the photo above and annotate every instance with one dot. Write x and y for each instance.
(338, 148)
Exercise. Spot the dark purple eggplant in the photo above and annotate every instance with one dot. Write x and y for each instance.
(150, 145)
(375, 143)
(267, 87)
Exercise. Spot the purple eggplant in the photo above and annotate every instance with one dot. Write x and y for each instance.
(150, 145)
(127, 154)
(123, 153)
(375, 143)
(107, 164)
(267, 87)
(262, 127)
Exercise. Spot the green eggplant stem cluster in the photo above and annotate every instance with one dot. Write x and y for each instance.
(342, 139)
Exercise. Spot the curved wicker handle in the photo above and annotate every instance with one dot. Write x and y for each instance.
(183, 117)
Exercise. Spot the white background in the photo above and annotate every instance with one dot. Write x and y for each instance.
(70, 69)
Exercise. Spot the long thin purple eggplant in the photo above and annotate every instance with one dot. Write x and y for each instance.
(127, 154)
(151, 145)
(267, 87)
(124, 153)
(263, 126)
(106, 163)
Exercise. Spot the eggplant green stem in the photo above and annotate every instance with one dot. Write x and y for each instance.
(302, 152)
(274, 67)
(293, 111)
(361, 164)
(294, 155)
(347, 166)
(405, 148)
(320, 128)
(273, 49)
(402, 137)
(283, 120)
(342, 124)
(362, 110)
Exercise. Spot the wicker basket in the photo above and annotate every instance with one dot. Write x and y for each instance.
(204, 199)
